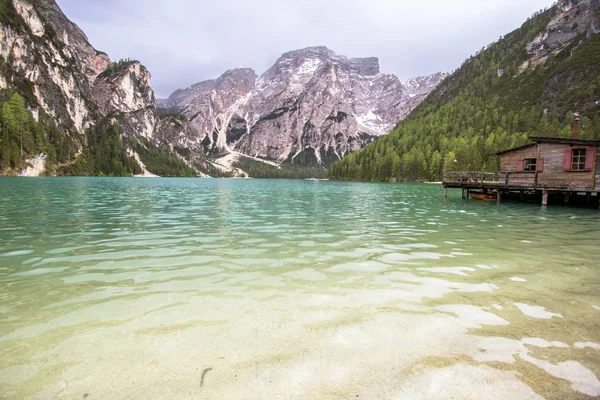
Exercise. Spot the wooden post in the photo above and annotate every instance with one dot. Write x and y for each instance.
(588, 198)
(545, 199)
(522, 195)
(445, 192)
(567, 196)
(499, 197)
(464, 193)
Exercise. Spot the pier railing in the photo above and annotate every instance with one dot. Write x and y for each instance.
(472, 178)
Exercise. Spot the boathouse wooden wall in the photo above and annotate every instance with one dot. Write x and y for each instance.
(552, 174)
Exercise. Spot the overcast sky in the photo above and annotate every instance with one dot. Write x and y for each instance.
(186, 41)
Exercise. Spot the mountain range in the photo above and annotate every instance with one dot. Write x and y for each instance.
(311, 108)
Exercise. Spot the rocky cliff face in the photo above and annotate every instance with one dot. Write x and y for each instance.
(46, 71)
(574, 20)
(312, 106)
(175, 133)
(207, 105)
(124, 92)
(49, 61)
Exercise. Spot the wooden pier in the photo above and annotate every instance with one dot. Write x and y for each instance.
(514, 186)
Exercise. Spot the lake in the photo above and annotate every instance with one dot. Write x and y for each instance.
(253, 289)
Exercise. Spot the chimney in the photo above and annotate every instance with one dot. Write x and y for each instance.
(575, 128)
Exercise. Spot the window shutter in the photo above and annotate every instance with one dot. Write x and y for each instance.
(539, 167)
(567, 160)
(590, 158)
(521, 166)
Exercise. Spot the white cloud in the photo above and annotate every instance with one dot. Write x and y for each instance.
(185, 41)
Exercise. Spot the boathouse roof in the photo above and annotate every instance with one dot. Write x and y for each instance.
(555, 140)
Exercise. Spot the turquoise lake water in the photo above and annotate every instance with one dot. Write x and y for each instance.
(253, 289)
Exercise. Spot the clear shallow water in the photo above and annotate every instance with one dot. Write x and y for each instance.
(235, 289)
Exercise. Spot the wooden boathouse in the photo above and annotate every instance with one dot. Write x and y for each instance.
(549, 167)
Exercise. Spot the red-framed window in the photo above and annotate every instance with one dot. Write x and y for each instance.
(579, 159)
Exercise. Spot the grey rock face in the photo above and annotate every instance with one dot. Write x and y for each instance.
(51, 63)
(572, 19)
(365, 66)
(66, 76)
(75, 40)
(236, 81)
(175, 133)
(210, 105)
(312, 106)
(126, 92)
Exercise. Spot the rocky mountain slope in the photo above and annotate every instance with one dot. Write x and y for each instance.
(535, 80)
(312, 106)
(124, 90)
(50, 62)
(66, 84)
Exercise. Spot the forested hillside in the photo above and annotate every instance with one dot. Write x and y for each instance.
(516, 87)
(21, 137)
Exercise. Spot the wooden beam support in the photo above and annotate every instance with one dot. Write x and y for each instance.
(588, 198)
(499, 197)
(445, 192)
(521, 195)
(567, 197)
(545, 199)
(464, 193)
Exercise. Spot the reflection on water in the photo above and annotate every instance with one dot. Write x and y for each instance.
(230, 289)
